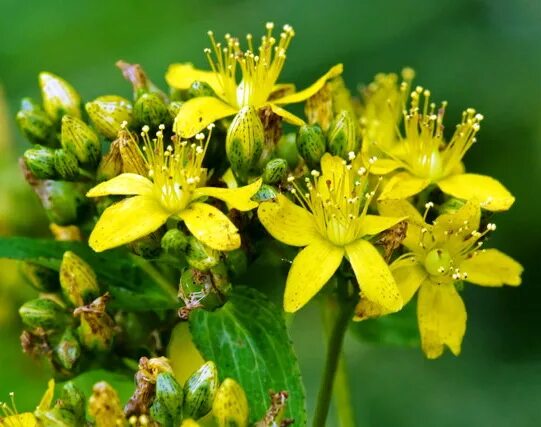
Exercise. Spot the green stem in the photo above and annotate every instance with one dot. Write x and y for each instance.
(155, 275)
(342, 395)
(337, 318)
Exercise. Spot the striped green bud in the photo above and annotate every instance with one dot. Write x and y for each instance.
(107, 114)
(275, 171)
(311, 144)
(150, 109)
(199, 391)
(244, 142)
(34, 123)
(200, 256)
(230, 406)
(59, 97)
(174, 242)
(342, 136)
(40, 162)
(44, 313)
(78, 280)
(167, 406)
(67, 351)
(40, 278)
(66, 164)
(287, 149)
(73, 400)
(78, 138)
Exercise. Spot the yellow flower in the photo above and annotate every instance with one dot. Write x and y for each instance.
(421, 156)
(26, 419)
(174, 188)
(332, 222)
(441, 256)
(260, 70)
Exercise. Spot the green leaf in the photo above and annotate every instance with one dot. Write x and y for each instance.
(130, 288)
(399, 329)
(248, 340)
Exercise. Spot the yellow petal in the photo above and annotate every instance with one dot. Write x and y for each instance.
(286, 115)
(332, 166)
(280, 90)
(442, 318)
(492, 268)
(374, 224)
(197, 113)
(461, 223)
(313, 89)
(403, 185)
(126, 221)
(287, 222)
(127, 184)
(311, 269)
(408, 276)
(366, 309)
(403, 208)
(26, 419)
(211, 226)
(384, 166)
(492, 195)
(375, 279)
(181, 76)
(47, 399)
(236, 198)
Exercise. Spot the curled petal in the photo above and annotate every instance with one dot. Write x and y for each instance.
(197, 113)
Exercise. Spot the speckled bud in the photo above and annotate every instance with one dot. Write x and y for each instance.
(174, 242)
(44, 313)
(311, 144)
(73, 399)
(275, 171)
(67, 351)
(199, 391)
(108, 112)
(96, 330)
(150, 110)
(78, 280)
(34, 123)
(230, 406)
(342, 136)
(200, 256)
(40, 162)
(59, 97)
(167, 406)
(78, 138)
(66, 164)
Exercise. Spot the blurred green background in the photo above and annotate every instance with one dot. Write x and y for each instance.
(482, 53)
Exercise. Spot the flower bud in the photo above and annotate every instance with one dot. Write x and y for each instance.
(230, 406)
(104, 406)
(56, 417)
(199, 391)
(200, 256)
(311, 144)
(199, 88)
(167, 406)
(342, 136)
(34, 123)
(66, 164)
(68, 350)
(59, 97)
(96, 331)
(73, 400)
(196, 289)
(150, 109)
(147, 246)
(244, 142)
(63, 201)
(44, 313)
(286, 148)
(319, 107)
(111, 163)
(236, 262)
(41, 278)
(265, 193)
(107, 114)
(275, 171)
(78, 280)
(174, 108)
(174, 242)
(78, 138)
(40, 162)
(132, 162)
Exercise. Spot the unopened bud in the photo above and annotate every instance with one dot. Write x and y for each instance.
(265, 193)
(63, 201)
(147, 246)
(174, 108)
(200, 256)
(132, 162)
(311, 144)
(67, 351)
(44, 313)
(56, 417)
(199, 88)
(59, 97)
(34, 123)
(104, 406)
(342, 136)
(73, 399)
(40, 161)
(150, 110)
(230, 406)
(66, 233)
(41, 278)
(287, 149)
(275, 171)
(111, 163)
(78, 138)
(196, 289)
(107, 114)
(174, 242)
(66, 164)
(199, 391)
(167, 406)
(78, 280)
(244, 142)
(97, 329)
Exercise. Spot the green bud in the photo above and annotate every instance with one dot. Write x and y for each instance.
(265, 193)
(196, 289)
(59, 97)
(174, 242)
(40, 162)
(311, 144)
(107, 114)
(147, 246)
(56, 417)
(451, 206)
(96, 331)
(199, 391)
(230, 406)
(78, 138)
(73, 399)
(199, 88)
(111, 163)
(34, 123)
(236, 262)
(150, 109)
(68, 350)
(244, 142)
(342, 136)
(44, 313)
(200, 256)
(275, 171)
(41, 278)
(167, 407)
(78, 280)
(174, 108)
(63, 201)
(287, 149)
(66, 164)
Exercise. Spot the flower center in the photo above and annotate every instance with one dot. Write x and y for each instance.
(260, 69)
(438, 262)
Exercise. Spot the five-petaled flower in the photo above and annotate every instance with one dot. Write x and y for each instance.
(174, 188)
(440, 256)
(332, 222)
(258, 88)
